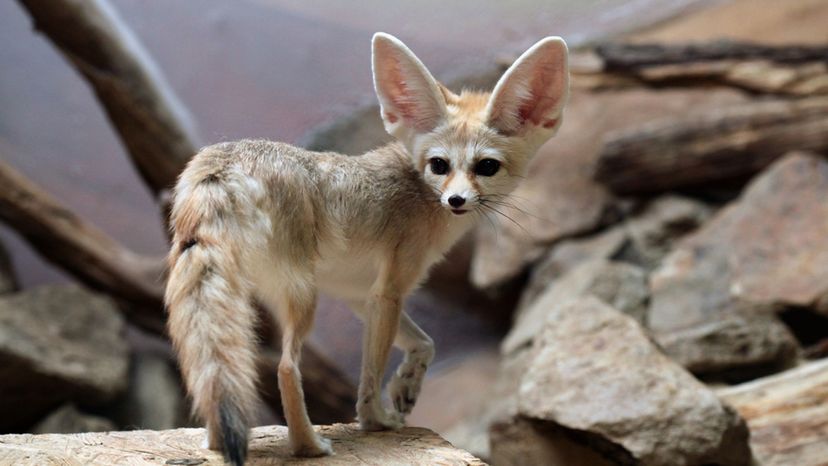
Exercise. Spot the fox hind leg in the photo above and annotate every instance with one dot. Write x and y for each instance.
(295, 313)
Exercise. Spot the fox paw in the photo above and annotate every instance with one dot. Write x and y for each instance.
(405, 385)
(318, 446)
(385, 421)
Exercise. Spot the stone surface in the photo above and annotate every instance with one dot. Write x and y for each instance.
(268, 446)
(623, 286)
(559, 197)
(787, 414)
(522, 442)
(604, 380)
(154, 398)
(736, 346)
(68, 420)
(58, 343)
(665, 220)
(767, 250)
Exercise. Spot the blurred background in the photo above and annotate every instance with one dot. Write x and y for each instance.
(685, 191)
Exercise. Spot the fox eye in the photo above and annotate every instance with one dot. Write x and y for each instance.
(438, 166)
(487, 167)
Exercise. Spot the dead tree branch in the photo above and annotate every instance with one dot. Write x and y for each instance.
(153, 125)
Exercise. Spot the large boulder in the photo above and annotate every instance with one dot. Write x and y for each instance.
(58, 343)
(766, 251)
(598, 381)
(737, 346)
(559, 198)
(623, 286)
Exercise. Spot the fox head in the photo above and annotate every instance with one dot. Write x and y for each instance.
(471, 148)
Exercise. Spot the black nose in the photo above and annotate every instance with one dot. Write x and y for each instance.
(456, 201)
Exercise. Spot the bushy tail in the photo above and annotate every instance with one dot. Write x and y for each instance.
(211, 321)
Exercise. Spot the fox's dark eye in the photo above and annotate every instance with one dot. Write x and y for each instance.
(438, 166)
(487, 167)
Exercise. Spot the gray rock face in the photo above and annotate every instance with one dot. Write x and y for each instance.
(559, 198)
(68, 420)
(623, 286)
(154, 398)
(660, 225)
(736, 346)
(58, 343)
(595, 372)
(766, 250)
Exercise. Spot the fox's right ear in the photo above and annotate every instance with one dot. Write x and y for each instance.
(410, 99)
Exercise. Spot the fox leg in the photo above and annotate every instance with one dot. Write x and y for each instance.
(418, 350)
(295, 313)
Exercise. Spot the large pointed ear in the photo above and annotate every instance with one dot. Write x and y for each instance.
(410, 99)
(532, 93)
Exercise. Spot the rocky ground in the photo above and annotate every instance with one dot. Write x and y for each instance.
(660, 288)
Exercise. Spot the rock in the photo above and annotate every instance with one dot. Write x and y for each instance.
(154, 399)
(68, 420)
(58, 343)
(787, 414)
(566, 255)
(8, 281)
(660, 225)
(522, 442)
(623, 286)
(559, 198)
(765, 251)
(472, 433)
(735, 347)
(268, 445)
(596, 373)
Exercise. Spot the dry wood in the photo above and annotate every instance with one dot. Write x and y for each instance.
(620, 56)
(715, 146)
(268, 446)
(787, 414)
(784, 70)
(152, 123)
(94, 258)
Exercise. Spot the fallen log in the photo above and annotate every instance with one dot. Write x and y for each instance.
(783, 70)
(66, 240)
(268, 445)
(153, 125)
(715, 146)
(787, 414)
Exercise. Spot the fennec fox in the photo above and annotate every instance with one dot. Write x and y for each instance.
(265, 220)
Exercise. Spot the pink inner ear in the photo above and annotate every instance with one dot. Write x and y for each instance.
(550, 123)
(391, 117)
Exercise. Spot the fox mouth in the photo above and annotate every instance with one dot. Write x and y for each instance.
(459, 211)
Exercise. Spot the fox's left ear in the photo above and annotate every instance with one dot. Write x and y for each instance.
(530, 96)
(410, 99)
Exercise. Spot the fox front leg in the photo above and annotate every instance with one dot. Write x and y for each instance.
(418, 351)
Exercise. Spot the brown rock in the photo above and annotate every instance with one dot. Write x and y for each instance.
(623, 286)
(268, 445)
(559, 198)
(737, 346)
(787, 414)
(597, 374)
(522, 442)
(767, 250)
(58, 343)
(68, 420)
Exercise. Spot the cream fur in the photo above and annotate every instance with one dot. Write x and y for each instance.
(275, 222)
